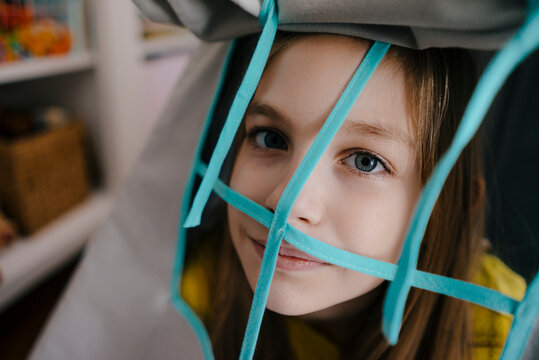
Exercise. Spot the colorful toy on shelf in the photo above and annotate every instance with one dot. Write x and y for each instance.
(8, 52)
(30, 31)
(13, 16)
(44, 37)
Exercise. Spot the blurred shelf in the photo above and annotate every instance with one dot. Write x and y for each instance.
(164, 45)
(29, 260)
(47, 66)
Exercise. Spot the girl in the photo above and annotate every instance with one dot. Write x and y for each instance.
(360, 198)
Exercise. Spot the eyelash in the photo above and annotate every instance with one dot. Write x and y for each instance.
(255, 131)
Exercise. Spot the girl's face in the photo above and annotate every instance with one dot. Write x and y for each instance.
(362, 192)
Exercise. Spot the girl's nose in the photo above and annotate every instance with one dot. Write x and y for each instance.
(308, 207)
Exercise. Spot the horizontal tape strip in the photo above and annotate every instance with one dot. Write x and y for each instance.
(459, 289)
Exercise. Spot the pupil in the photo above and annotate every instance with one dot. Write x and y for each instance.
(272, 140)
(366, 163)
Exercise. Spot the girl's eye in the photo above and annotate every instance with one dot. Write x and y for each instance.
(268, 139)
(365, 163)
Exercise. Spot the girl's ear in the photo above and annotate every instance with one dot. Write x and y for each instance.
(478, 189)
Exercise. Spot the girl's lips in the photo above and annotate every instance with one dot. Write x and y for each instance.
(290, 258)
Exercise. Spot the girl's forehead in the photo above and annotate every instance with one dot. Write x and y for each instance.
(303, 82)
(313, 67)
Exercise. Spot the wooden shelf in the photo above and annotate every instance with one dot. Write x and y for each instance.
(30, 260)
(43, 67)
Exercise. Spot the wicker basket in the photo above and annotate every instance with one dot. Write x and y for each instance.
(43, 176)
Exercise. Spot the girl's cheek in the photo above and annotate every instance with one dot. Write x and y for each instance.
(253, 181)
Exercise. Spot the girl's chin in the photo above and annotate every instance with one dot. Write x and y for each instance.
(290, 308)
(293, 302)
(288, 303)
(309, 310)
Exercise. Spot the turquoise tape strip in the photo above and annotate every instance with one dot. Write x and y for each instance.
(198, 327)
(473, 293)
(265, 11)
(175, 282)
(525, 317)
(278, 227)
(235, 115)
(436, 283)
(501, 66)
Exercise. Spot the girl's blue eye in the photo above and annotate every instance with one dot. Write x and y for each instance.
(269, 139)
(365, 163)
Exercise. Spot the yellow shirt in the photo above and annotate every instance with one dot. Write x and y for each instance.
(490, 327)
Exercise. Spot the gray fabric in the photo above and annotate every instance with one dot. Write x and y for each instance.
(117, 305)
(485, 24)
(532, 349)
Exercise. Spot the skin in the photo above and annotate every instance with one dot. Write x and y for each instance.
(363, 210)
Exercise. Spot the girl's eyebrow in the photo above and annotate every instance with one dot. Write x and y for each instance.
(377, 129)
(268, 111)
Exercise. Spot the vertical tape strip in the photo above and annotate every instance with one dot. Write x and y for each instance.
(520, 46)
(175, 282)
(235, 115)
(523, 322)
(291, 192)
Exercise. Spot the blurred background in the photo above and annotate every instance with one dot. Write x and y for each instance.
(82, 83)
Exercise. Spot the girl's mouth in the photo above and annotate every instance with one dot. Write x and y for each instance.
(290, 258)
